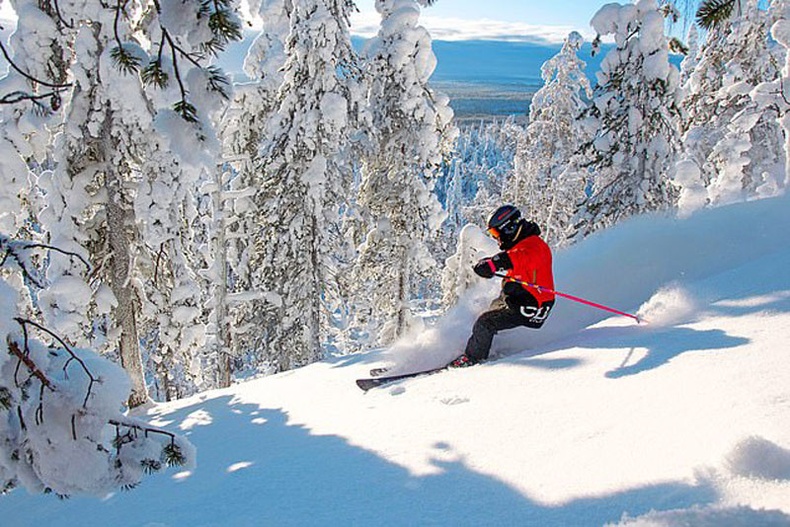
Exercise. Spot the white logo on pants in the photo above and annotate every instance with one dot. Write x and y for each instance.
(536, 314)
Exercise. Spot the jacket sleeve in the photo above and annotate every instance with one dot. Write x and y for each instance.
(502, 261)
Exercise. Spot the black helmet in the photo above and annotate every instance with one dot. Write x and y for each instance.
(504, 224)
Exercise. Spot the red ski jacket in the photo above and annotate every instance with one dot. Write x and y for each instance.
(531, 263)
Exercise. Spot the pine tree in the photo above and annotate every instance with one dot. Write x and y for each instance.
(635, 110)
(692, 55)
(714, 13)
(306, 181)
(31, 93)
(776, 94)
(541, 184)
(60, 403)
(477, 173)
(240, 307)
(118, 194)
(735, 142)
(413, 131)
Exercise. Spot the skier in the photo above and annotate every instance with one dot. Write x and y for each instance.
(525, 257)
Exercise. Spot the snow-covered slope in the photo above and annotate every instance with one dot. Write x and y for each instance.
(591, 421)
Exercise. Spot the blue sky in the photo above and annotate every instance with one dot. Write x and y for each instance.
(528, 20)
(547, 20)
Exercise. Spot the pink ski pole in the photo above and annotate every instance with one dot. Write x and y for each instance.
(571, 297)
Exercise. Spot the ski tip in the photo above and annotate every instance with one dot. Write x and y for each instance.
(366, 384)
(373, 382)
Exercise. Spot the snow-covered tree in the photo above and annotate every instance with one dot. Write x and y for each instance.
(635, 110)
(734, 141)
(240, 306)
(180, 159)
(477, 173)
(691, 57)
(542, 184)
(306, 181)
(124, 164)
(779, 92)
(61, 429)
(412, 132)
(30, 95)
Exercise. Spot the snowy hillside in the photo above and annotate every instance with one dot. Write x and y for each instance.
(593, 420)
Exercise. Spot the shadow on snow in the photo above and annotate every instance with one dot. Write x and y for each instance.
(663, 343)
(254, 468)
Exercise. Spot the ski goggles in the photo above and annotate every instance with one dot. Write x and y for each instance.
(494, 232)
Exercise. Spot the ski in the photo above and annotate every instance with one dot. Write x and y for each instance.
(373, 382)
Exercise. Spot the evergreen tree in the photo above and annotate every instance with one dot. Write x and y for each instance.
(735, 142)
(31, 93)
(776, 94)
(635, 110)
(413, 131)
(542, 185)
(61, 426)
(691, 57)
(712, 14)
(117, 193)
(241, 306)
(477, 173)
(306, 182)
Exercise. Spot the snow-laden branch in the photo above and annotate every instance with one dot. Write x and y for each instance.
(73, 412)
(18, 96)
(15, 250)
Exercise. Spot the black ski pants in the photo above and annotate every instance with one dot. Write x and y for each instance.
(500, 317)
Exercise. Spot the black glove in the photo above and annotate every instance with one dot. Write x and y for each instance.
(485, 268)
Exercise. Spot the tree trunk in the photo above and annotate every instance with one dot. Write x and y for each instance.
(404, 277)
(550, 216)
(118, 221)
(124, 315)
(224, 362)
(313, 325)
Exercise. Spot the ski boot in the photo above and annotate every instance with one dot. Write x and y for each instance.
(461, 362)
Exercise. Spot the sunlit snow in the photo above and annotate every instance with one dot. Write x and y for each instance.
(593, 420)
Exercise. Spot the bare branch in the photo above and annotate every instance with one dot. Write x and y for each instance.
(12, 248)
(144, 429)
(25, 359)
(25, 245)
(67, 348)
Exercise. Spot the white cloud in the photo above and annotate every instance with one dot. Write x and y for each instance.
(366, 24)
